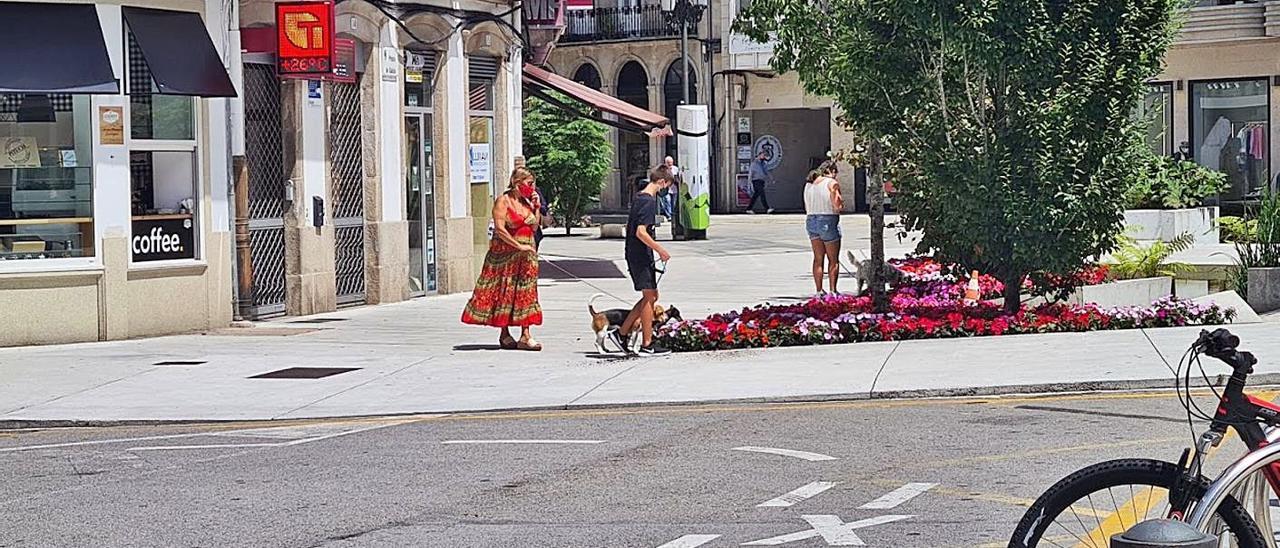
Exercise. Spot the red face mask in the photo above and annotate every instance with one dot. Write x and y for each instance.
(527, 190)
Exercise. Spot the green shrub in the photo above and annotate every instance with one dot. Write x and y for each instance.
(1135, 260)
(1237, 229)
(1262, 250)
(1164, 183)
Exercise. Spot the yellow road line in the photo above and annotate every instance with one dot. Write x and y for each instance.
(1052, 451)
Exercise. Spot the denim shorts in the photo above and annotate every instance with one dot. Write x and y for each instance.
(823, 227)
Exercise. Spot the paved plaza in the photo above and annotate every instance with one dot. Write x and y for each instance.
(416, 356)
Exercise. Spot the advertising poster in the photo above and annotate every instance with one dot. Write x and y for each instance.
(19, 152)
(744, 190)
(162, 239)
(480, 165)
(111, 125)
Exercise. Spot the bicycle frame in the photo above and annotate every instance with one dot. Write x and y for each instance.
(1263, 456)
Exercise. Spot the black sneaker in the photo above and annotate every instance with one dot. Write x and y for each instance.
(654, 350)
(620, 341)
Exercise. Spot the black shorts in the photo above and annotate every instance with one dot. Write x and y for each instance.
(643, 275)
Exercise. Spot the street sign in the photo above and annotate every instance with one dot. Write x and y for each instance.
(304, 38)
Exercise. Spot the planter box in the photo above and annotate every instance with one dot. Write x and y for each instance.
(1190, 289)
(1140, 292)
(1264, 289)
(1167, 224)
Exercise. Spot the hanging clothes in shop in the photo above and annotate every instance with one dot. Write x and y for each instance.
(1214, 142)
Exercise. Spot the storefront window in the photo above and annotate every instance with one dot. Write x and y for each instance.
(162, 167)
(419, 71)
(1156, 111)
(1229, 131)
(480, 99)
(46, 177)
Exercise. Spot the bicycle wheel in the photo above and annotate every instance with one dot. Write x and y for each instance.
(1087, 507)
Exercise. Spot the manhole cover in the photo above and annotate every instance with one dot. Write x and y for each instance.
(180, 362)
(320, 320)
(305, 373)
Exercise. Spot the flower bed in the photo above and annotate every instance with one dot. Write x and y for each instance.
(927, 305)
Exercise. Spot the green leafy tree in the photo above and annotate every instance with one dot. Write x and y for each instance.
(1005, 125)
(570, 155)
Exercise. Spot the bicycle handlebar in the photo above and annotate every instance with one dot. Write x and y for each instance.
(1221, 344)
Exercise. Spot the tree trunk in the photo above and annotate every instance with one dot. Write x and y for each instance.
(1012, 292)
(875, 197)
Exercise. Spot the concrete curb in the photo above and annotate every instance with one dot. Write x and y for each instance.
(1077, 387)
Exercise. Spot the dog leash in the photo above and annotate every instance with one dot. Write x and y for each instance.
(589, 284)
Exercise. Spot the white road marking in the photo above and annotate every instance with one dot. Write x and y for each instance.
(527, 442)
(898, 496)
(798, 495)
(284, 432)
(832, 530)
(97, 442)
(786, 453)
(690, 541)
(277, 444)
(209, 446)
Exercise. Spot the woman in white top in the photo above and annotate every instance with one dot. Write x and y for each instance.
(822, 206)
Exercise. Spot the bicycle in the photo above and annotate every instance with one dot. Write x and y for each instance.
(1213, 508)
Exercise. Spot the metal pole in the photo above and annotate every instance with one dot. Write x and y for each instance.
(244, 252)
(683, 16)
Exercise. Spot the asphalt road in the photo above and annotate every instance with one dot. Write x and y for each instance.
(927, 473)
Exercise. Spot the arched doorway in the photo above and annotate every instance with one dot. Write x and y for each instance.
(673, 96)
(633, 148)
(587, 75)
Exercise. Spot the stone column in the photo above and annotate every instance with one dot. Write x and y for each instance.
(386, 232)
(454, 224)
(656, 150)
(310, 274)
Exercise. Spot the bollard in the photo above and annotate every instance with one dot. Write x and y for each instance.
(1163, 533)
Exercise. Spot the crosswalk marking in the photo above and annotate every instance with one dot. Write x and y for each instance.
(690, 541)
(831, 528)
(898, 496)
(797, 495)
(786, 453)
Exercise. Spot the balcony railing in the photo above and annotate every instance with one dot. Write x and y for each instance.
(623, 23)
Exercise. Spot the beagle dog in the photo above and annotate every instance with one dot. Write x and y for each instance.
(604, 321)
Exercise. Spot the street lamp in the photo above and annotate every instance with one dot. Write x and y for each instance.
(687, 15)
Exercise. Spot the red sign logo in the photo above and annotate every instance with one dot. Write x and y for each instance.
(304, 38)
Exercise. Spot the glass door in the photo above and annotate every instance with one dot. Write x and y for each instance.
(419, 204)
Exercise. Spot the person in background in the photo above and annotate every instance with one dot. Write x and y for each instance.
(640, 248)
(506, 294)
(822, 206)
(760, 177)
(667, 200)
(1183, 154)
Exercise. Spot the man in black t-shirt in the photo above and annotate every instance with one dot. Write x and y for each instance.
(640, 248)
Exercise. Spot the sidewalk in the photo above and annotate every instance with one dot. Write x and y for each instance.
(416, 357)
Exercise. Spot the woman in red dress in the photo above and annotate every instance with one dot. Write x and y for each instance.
(506, 294)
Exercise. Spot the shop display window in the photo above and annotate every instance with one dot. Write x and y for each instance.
(164, 197)
(419, 71)
(1156, 111)
(1230, 124)
(480, 100)
(46, 177)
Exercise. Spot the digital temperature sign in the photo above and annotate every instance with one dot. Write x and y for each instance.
(304, 38)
